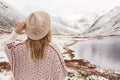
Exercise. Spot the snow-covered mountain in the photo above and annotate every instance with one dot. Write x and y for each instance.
(8, 17)
(108, 24)
(67, 24)
(71, 25)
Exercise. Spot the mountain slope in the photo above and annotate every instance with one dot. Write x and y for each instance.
(73, 24)
(8, 17)
(108, 24)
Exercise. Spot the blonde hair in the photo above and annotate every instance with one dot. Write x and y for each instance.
(38, 47)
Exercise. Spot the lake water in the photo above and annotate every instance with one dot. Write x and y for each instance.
(104, 52)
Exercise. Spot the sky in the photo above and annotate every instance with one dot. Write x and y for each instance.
(63, 7)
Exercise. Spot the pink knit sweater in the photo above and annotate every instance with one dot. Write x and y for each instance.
(52, 67)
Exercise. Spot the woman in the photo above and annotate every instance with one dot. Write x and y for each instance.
(36, 58)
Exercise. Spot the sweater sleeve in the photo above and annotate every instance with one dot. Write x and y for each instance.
(60, 56)
(62, 59)
(11, 38)
(9, 52)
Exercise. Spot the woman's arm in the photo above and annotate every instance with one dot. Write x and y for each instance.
(12, 37)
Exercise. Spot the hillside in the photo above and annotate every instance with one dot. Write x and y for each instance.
(107, 24)
(9, 17)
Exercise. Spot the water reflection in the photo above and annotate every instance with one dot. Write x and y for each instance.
(104, 52)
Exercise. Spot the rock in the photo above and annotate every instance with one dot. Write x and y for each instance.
(85, 68)
(5, 66)
(108, 24)
(9, 17)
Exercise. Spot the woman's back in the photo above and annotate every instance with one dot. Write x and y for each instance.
(51, 67)
(36, 58)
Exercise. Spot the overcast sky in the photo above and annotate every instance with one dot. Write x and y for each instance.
(64, 7)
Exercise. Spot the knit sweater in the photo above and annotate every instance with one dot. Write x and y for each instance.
(52, 67)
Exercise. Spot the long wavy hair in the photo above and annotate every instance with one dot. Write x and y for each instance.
(38, 47)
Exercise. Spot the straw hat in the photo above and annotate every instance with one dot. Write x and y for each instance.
(37, 25)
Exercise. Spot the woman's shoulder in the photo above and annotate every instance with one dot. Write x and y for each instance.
(15, 44)
(19, 43)
(54, 46)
